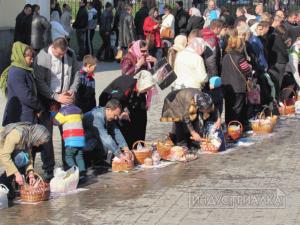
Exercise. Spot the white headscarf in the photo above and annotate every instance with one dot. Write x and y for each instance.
(145, 80)
(198, 45)
(195, 12)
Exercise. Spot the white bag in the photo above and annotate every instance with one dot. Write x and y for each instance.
(65, 181)
(297, 107)
(3, 196)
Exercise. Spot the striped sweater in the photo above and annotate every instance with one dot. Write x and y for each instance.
(70, 117)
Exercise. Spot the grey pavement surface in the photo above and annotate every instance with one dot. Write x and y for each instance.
(252, 185)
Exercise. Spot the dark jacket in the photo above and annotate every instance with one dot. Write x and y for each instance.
(123, 89)
(257, 47)
(106, 21)
(212, 53)
(40, 32)
(180, 107)
(22, 102)
(126, 29)
(195, 22)
(181, 20)
(278, 52)
(235, 72)
(139, 19)
(85, 95)
(293, 30)
(81, 21)
(23, 28)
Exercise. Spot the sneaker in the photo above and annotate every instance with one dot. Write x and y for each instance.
(82, 177)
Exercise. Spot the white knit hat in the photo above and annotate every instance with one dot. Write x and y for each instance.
(145, 80)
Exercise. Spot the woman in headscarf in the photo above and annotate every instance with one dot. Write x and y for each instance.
(132, 94)
(18, 83)
(234, 77)
(189, 66)
(137, 59)
(152, 32)
(57, 29)
(195, 21)
(16, 143)
(184, 107)
(179, 45)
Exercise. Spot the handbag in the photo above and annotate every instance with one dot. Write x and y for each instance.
(119, 55)
(253, 89)
(166, 33)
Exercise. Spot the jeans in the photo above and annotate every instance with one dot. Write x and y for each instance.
(77, 154)
(106, 47)
(89, 41)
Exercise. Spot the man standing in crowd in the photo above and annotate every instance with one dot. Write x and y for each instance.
(126, 28)
(92, 24)
(81, 24)
(56, 70)
(139, 19)
(23, 25)
(105, 29)
(293, 29)
(259, 10)
(181, 19)
(211, 13)
(40, 30)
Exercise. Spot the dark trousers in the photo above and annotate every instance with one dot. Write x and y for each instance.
(89, 41)
(135, 130)
(277, 74)
(105, 46)
(8, 182)
(183, 135)
(81, 41)
(265, 90)
(47, 151)
(235, 107)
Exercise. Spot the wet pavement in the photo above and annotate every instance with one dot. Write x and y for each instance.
(258, 184)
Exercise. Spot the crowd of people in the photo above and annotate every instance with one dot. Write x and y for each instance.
(242, 62)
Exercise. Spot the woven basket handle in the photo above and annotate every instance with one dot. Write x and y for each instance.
(238, 122)
(36, 174)
(262, 114)
(281, 93)
(138, 142)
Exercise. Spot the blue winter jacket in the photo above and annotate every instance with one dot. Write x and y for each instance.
(258, 49)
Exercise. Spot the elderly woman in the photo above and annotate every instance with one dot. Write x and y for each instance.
(132, 94)
(234, 78)
(57, 29)
(137, 59)
(19, 84)
(179, 45)
(195, 21)
(184, 107)
(152, 31)
(189, 66)
(16, 143)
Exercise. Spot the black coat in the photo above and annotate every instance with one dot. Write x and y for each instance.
(293, 30)
(40, 32)
(232, 79)
(139, 19)
(278, 51)
(195, 22)
(106, 21)
(81, 21)
(23, 28)
(126, 29)
(22, 102)
(181, 20)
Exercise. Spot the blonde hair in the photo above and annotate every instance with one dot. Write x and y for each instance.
(235, 43)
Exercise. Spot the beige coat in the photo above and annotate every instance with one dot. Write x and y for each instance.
(11, 143)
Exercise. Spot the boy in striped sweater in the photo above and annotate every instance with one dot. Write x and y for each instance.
(70, 118)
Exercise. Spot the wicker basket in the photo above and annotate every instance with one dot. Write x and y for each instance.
(164, 148)
(233, 133)
(288, 104)
(207, 146)
(262, 126)
(140, 156)
(262, 115)
(30, 193)
(124, 166)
